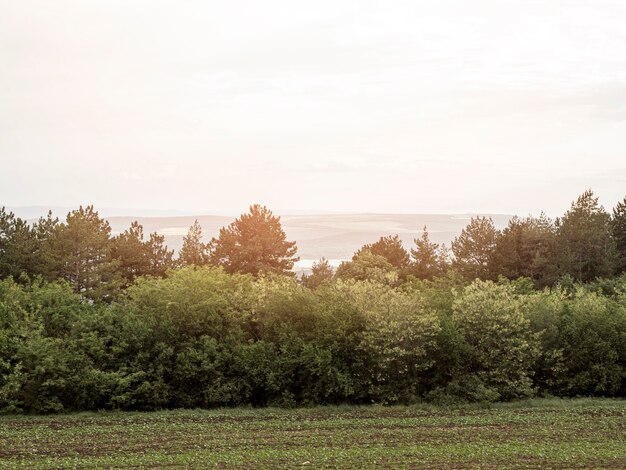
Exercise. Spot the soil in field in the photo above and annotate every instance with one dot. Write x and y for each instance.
(539, 434)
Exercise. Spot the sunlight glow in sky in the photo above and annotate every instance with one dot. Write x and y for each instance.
(508, 106)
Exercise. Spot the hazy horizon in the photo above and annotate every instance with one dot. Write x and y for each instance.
(36, 211)
(437, 107)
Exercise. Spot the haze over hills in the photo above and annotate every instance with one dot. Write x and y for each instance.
(334, 236)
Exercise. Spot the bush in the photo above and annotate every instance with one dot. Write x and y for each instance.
(204, 338)
(503, 347)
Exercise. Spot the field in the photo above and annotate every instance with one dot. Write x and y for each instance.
(533, 434)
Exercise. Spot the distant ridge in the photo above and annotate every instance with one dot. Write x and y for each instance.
(34, 212)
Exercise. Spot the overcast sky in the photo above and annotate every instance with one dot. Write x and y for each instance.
(357, 106)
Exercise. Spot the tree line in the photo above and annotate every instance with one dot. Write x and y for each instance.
(82, 251)
(586, 243)
(92, 321)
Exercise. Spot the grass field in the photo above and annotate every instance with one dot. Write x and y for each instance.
(533, 434)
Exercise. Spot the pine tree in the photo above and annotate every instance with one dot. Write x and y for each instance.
(254, 243)
(429, 259)
(585, 240)
(618, 223)
(473, 249)
(48, 259)
(159, 257)
(523, 249)
(390, 248)
(194, 252)
(321, 272)
(138, 257)
(127, 248)
(80, 253)
(18, 246)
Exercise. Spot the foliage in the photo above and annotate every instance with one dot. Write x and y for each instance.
(89, 321)
(473, 249)
(549, 433)
(200, 337)
(194, 252)
(321, 272)
(80, 253)
(618, 225)
(365, 266)
(430, 260)
(503, 347)
(586, 249)
(253, 244)
(138, 257)
(396, 342)
(390, 248)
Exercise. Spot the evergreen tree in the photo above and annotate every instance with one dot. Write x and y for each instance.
(390, 248)
(194, 252)
(48, 259)
(429, 259)
(254, 243)
(321, 272)
(80, 253)
(473, 249)
(18, 246)
(127, 248)
(159, 257)
(585, 240)
(138, 257)
(524, 249)
(619, 235)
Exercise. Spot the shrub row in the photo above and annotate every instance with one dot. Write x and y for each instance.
(204, 338)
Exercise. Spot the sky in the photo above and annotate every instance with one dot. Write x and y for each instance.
(442, 106)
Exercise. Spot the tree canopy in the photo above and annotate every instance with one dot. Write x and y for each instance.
(194, 251)
(430, 260)
(586, 248)
(390, 248)
(473, 248)
(81, 254)
(254, 243)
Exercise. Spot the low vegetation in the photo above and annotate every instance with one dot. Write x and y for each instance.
(204, 338)
(534, 434)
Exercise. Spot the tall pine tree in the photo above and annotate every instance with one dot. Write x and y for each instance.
(618, 223)
(524, 249)
(194, 251)
(473, 249)
(139, 257)
(18, 246)
(254, 243)
(80, 252)
(586, 248)
(390, 248)
(429, 258)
